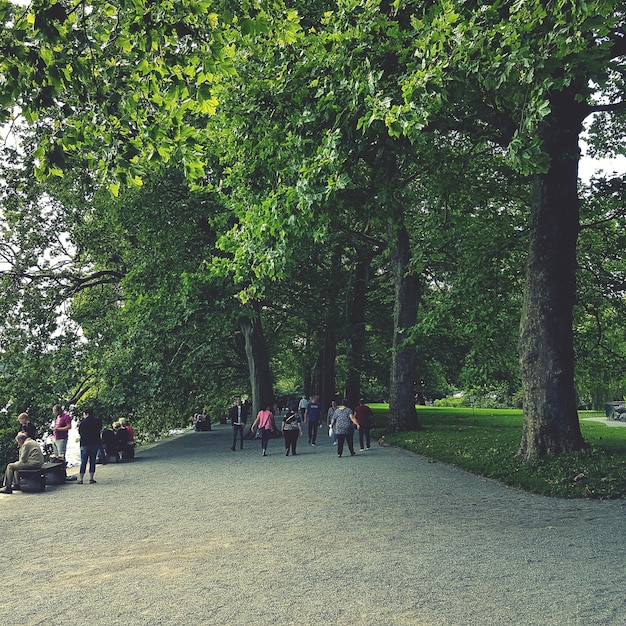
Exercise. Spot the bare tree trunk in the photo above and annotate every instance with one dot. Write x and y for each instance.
(546, 337)
(356, 333)
(258, 362)
(307, 381)
(328, 387)
(402, 412)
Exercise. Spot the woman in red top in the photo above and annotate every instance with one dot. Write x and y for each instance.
(131, 432)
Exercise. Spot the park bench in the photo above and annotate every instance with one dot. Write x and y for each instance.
(127, 453)
(51, 473)
(615, 410)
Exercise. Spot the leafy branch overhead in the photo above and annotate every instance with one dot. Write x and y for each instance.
(125, 82)
(299, 156)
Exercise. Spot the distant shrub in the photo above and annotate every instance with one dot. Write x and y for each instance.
(451, 401)
(8, 447)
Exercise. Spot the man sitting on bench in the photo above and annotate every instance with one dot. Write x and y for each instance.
(31, 457)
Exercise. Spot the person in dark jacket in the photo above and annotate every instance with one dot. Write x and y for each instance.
(238, 416)
(89, 430)
(109, 445)
(26, 426)
(363, 415)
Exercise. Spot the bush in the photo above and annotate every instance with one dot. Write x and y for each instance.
(8, 447)
(451, 401)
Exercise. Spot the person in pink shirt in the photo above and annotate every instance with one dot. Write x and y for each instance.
(265, 423)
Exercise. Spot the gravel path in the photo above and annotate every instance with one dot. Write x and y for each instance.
(192, 533)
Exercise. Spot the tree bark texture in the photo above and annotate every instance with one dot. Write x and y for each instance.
(327, 373)
(356, 332)
(307, 381)
(546, 336)
(258, 362)
(402, 412)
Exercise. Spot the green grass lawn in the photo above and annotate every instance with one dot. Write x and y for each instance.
(485, 441)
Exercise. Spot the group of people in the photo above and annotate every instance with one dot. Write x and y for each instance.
(201, 421)
(265, 425)
(30, 454)
(94, 440)
(341, 420)
(117, 441)
(30, 457)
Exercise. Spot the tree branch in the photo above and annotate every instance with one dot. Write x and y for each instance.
(608, 108)
(72, 282)
(104, 277)
(618, 48)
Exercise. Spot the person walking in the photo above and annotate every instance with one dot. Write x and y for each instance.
(292, 429)
(89, 430)
(302, 408)
(312, 418)
(344, 423)
(265, 423)
(329, 420)
(238, 416)
(363, 415)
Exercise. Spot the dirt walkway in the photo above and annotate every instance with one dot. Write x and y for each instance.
(192, 533)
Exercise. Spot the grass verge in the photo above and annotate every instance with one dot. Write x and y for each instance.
(485, 441)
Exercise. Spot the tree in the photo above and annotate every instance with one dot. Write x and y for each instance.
(340, 123)
(473, 254)
(138, 78)
(258, 361)
(601, 307)
(156, 331)
(524, 72)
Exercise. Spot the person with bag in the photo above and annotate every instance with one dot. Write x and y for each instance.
(292, 425)
(344, 422)
(265, 423)
(329, 419)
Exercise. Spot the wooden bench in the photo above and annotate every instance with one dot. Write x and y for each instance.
(51, 473)
(615, 410)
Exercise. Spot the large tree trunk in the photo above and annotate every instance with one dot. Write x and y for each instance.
(546, 337)
(402, 412)
(327, 373)
(356, 331)
(307, 381)
(258, 362)
(328, 383)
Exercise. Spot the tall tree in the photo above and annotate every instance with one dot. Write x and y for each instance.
(599, 341)
(143, 81)
(525, 73)
(261, 379)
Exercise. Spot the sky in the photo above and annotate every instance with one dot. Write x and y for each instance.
(588, 167)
